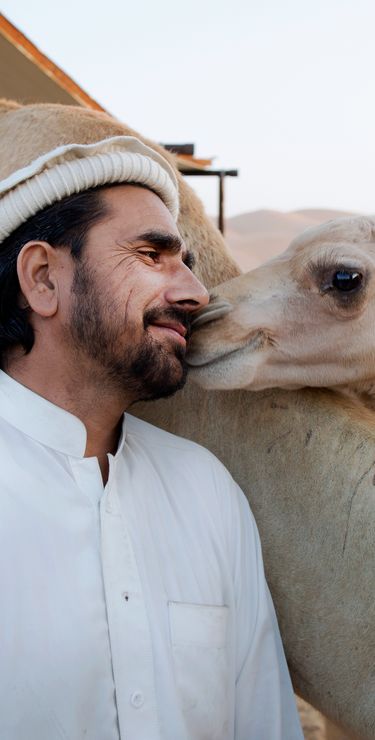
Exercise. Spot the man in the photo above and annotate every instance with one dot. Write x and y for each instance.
(134, 603)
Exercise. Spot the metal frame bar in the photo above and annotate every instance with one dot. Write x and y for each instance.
(221, 174)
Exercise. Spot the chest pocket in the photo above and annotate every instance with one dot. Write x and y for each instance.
(199, 644)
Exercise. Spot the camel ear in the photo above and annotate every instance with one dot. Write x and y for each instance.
(36, 275)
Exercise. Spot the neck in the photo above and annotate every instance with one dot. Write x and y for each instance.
(79, 391)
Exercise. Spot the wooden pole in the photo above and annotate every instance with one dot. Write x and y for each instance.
(221, 202)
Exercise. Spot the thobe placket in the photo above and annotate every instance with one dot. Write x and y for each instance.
(129, 630)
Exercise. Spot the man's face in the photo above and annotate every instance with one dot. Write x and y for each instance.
(132, 296)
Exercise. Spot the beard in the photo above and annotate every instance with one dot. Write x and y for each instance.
(146, 369)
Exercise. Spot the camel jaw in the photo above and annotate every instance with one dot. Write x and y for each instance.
(218, 369)
(199, 356)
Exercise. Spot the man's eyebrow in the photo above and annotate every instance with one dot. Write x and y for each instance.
(165, 242)
(162, 240)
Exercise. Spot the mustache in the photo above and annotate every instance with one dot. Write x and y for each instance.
(171, 313)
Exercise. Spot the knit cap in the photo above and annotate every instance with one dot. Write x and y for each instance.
(37, 177)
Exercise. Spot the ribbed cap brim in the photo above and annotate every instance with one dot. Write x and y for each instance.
(77, 167)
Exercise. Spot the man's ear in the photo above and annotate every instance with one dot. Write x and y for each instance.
(36, 269)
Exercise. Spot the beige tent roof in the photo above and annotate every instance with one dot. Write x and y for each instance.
(29, 76)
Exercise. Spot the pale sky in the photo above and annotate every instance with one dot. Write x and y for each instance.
(283, 90)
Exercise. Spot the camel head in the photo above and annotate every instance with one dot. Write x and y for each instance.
(306, 318)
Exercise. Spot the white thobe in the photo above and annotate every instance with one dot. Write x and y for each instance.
(137, 610)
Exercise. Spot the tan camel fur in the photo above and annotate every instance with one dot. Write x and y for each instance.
(306, 318)
(306, 464)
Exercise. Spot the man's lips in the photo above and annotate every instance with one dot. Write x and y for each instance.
(177, 330)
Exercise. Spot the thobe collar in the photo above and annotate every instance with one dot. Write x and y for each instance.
(41, 420)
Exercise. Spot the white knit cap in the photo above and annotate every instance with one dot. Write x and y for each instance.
(73, 168)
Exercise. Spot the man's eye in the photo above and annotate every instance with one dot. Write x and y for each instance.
(189, 261)
(150, 253)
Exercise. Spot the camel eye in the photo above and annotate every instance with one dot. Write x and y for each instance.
(346, 280)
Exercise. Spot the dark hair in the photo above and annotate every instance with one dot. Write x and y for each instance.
(63, 224)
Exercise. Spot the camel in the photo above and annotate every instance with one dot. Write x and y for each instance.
(310, 516)
(305, 459)
(305, 318)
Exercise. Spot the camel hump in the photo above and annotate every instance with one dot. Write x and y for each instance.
(7, 105)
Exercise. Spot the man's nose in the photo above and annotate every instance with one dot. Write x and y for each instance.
(187, 291)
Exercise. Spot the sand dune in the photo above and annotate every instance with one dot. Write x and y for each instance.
(257, 236)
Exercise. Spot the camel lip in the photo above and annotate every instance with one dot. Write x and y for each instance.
(214, 311)
(198, 362)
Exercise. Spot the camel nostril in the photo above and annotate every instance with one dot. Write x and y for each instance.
(212, 312)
